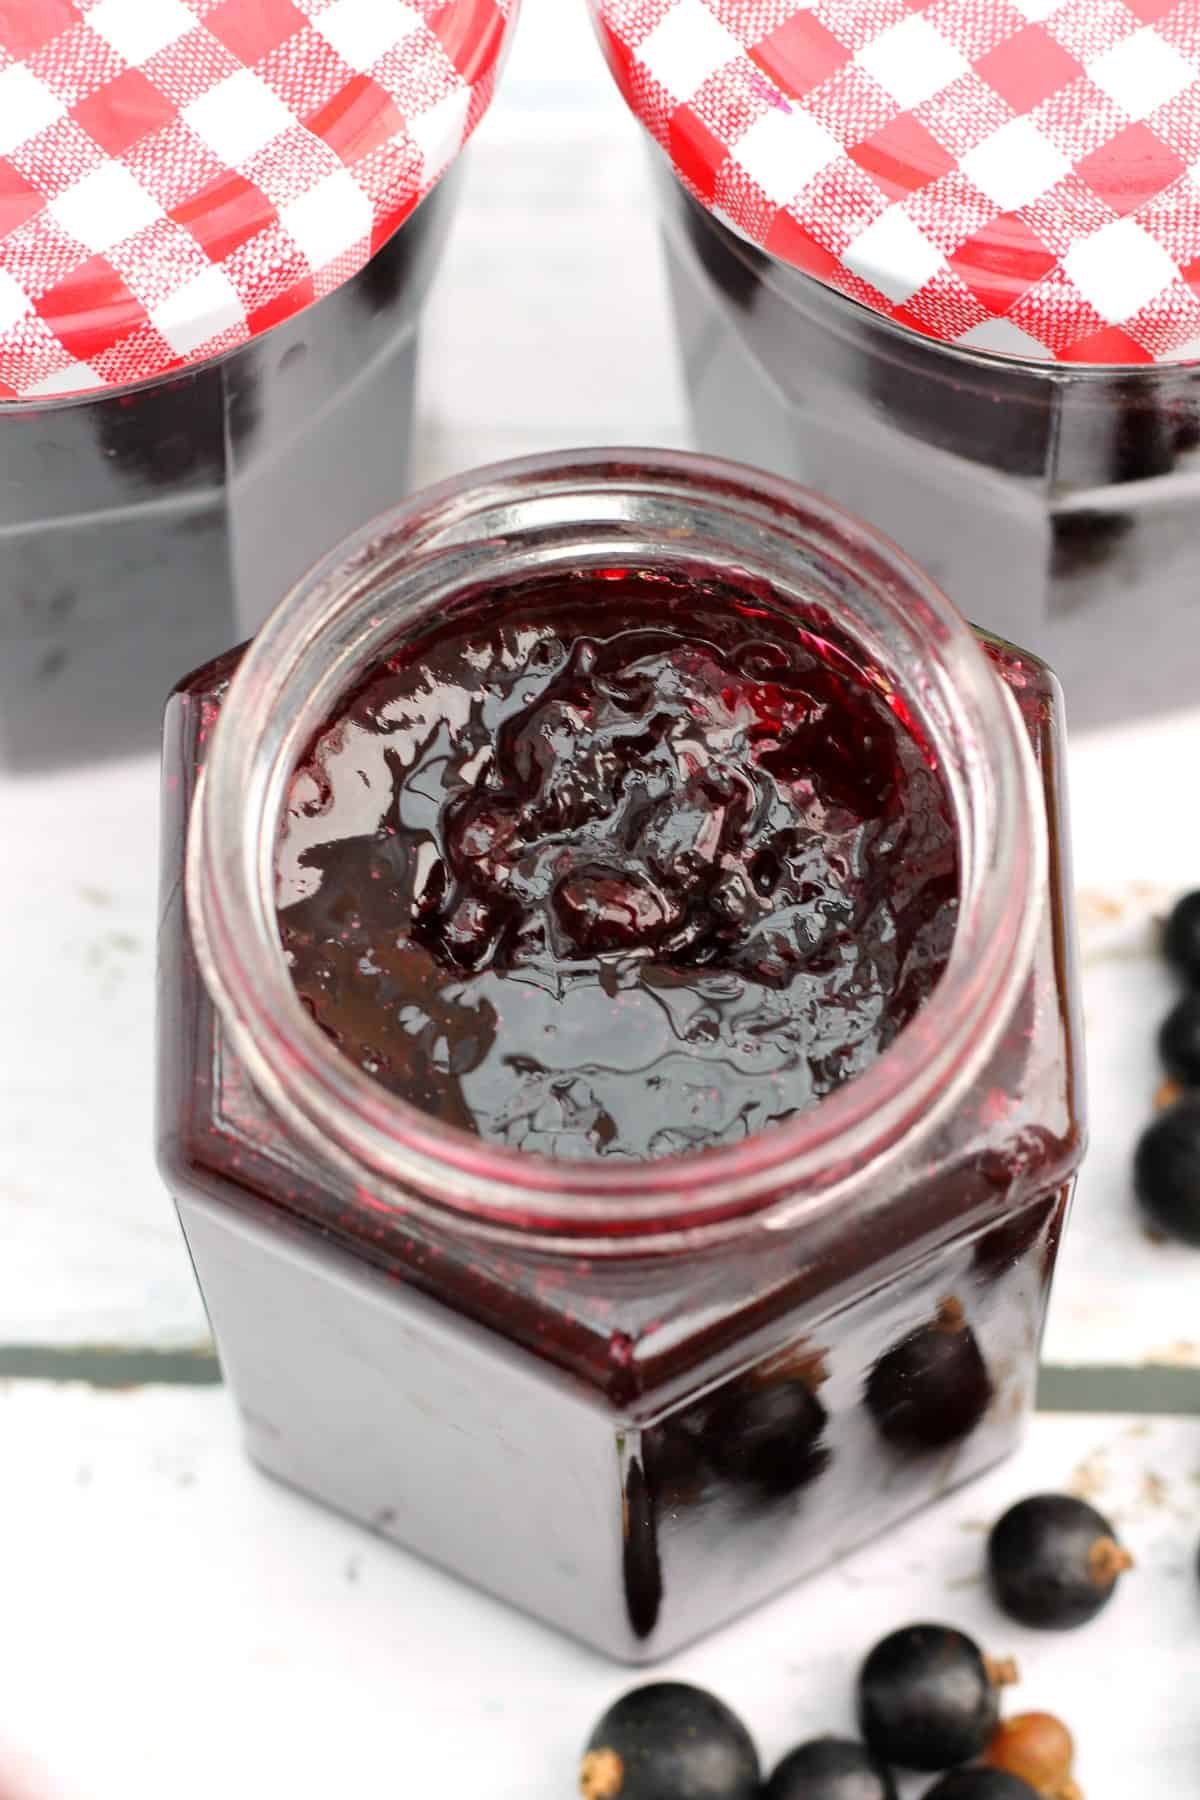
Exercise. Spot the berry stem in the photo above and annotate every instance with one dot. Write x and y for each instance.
(602, 1775)
(1002, 1671)
(950, 1314)
(1106, 1560)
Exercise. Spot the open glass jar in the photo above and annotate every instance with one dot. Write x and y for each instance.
(938, 264)
(217, 230)
(633, 1398)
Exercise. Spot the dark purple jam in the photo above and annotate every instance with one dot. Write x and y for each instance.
(618, 866)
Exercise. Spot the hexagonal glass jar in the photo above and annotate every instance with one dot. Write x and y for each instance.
(633, 1400)
(1057, 503)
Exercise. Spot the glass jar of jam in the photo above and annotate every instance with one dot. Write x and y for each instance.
(217, 229)
(620, 1072)
(940, 264)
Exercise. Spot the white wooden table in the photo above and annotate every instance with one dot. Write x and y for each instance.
(174, 1624)
(170, 1619)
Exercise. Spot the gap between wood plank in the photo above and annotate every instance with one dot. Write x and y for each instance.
(1152, 1389)
(111, 1365)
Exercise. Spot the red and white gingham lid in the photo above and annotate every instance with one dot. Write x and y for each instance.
(1017, 176)
(179, 175)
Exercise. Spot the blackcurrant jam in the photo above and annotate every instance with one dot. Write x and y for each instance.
(616, 867)
(619, 1029)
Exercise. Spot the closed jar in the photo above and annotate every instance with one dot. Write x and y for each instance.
(633, 1394)
(939, 263)
(218, 228)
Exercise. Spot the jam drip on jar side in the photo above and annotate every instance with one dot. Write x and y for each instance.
(616, 867)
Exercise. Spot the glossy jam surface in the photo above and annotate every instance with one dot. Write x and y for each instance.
(616, 868)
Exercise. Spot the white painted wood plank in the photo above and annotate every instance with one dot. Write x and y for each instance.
(92, 1252)
(174, 1622)
(548, 327)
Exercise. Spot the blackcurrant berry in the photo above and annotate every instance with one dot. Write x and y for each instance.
(669, 1741)
(933, 1387)
(1053, 1561)
(1181, 939)
(981, 1784)
(1166, 1170)
(767, 1435)
(927, 1697)
(1179, 1041)
(830, 1768)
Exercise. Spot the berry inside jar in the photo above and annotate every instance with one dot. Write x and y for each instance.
(620, 864)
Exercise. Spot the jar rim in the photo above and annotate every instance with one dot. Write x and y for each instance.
(571, 510)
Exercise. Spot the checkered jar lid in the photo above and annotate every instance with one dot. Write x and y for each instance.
(177, 176)
(1015, 176)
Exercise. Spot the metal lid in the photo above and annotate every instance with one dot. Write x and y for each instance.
(179, 175)
(1016, 176)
